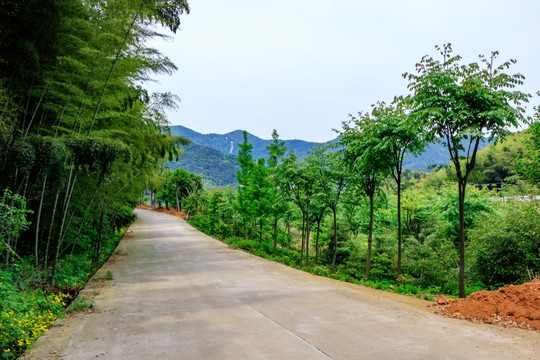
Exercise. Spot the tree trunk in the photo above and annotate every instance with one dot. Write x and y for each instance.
(275, 233)
(461, 277)
(335, 240)
(63, 226)
(36, 244)
(399, 229)
(60, 236)
(47, 247)
(317, 241)
(303, 235)
(261, 230)
(307, 236)
(97, 246)
(370, 237)
(289, 234)
(36, 109)
(177, 202)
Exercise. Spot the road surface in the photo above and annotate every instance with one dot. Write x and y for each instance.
(178, 294)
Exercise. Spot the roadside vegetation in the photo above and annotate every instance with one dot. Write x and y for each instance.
(352, 212)
(80, 138)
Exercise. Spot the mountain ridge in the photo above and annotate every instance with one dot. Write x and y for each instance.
(222, 142)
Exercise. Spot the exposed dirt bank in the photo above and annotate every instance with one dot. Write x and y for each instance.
(510, 306)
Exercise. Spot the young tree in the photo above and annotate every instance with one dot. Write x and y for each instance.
(299, 181)
(397, 137)
(462, 105)
(278, 200)
(244, 201)
(260, 194)
(366, 162)
(332, 182)
(184, 183)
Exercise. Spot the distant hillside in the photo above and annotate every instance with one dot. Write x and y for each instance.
(433, 155)
(228, 143)
(214, 156)
(215, 166)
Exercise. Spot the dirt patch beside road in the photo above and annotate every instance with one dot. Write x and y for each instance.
(510, 306)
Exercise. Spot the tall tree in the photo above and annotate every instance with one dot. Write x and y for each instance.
(245, 160)
(463, 105)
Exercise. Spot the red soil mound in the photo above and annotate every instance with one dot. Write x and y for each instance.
(163, 210)
(516, 306)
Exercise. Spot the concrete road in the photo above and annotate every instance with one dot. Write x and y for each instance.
(179, 294)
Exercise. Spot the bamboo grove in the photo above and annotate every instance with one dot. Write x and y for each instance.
(343, 210)
(79, 134)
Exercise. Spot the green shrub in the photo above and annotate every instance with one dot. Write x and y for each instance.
(382, 267)
(73, 270)
(506, 250)
(320, 270)
(430, 262)
(477, 286)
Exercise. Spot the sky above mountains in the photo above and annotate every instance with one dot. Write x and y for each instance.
(301, 66)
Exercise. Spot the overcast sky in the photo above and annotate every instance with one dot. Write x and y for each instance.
(301, 66)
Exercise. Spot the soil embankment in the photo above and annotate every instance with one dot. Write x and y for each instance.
(510, 306)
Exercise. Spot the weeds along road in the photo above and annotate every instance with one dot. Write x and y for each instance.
(178, 294)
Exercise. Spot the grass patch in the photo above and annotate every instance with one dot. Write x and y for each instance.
(80, 304)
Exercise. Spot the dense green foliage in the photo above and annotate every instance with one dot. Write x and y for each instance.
(80, 138)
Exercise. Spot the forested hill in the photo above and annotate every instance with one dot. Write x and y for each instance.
(215, 166)
(214, 156)
(228, 143)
